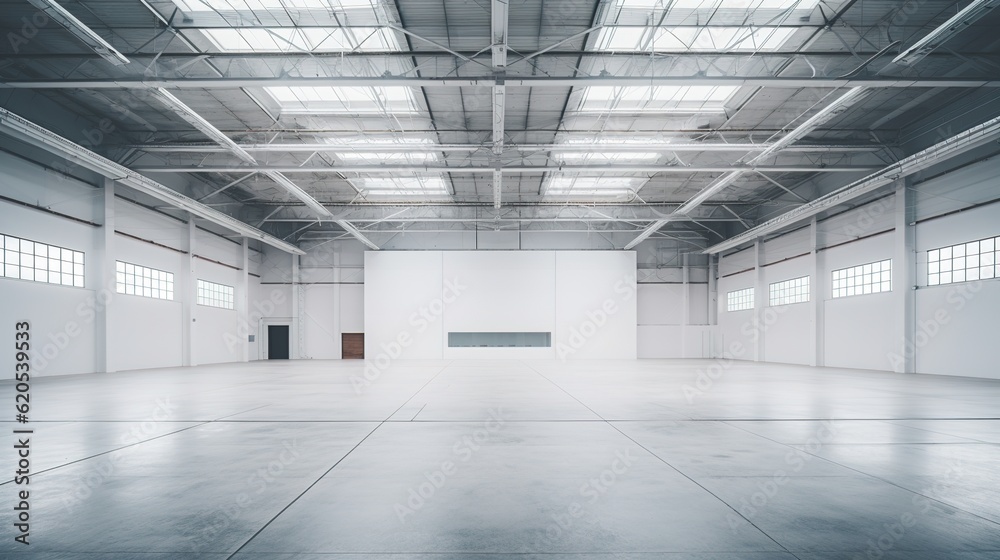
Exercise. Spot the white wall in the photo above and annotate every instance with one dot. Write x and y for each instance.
(586, 299)
(957, 323)
(664, 331)
(142, 332)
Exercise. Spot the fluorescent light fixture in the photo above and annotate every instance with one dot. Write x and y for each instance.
(350, 100)
(678, 99)
(724, 39)
(962, 142)
(349, 228)
(299, 193)
(35, 135)
(197, 121)
(650, 230)
(302, 39)
(82, 32)
(946, 31)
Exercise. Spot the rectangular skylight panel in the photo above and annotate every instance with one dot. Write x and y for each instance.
(335, 100)
(642, 39)
(405, 186)
(601, 186)
(305, 39)
(652, 99)
(723, 4)
(194, 6)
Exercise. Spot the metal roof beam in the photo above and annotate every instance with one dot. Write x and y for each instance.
(397, 147)
(235, 82)
(510, 169)
(498, 47)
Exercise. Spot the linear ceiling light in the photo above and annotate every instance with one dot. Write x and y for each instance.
(199, 122)
(349, 228)
(831, 110)
(955, 25)
(24, 130)
(940, 152)
(82, 32)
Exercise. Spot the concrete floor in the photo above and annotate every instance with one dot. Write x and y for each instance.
(504, 460)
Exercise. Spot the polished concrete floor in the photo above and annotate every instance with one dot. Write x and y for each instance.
(509, 460)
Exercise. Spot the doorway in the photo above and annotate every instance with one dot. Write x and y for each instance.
(352, 346)
(277, 342)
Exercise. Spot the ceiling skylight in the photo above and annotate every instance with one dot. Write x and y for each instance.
(650, 39)
(719, 4)
(195, 6)
(302, 39)
(687, 99)
(350, 100)
(563, 185)
(404, 186)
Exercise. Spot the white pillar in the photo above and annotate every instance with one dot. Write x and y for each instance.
(760, 300)
(243, 301)
(295, 346)
(106, 280)
(904, 276)
(818, 291)
(188, 293)
(713, 305)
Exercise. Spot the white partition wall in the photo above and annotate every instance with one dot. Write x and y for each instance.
(584, 300)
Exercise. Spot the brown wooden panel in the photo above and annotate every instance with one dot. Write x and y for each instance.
(352, 346)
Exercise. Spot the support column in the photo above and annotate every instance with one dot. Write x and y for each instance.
(713, 305)
(759, 300)
(904, 275)
(295, 350)
(243, 301)
(188, 292)
(106, 282)
(686, 311)
(818, 289)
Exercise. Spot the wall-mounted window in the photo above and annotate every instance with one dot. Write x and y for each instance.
(795, 290)
(136, 280)
(740, 300)
(215, 295)
(39, 262)
(870, 278)
(964, 262)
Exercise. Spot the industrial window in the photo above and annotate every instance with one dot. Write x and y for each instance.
(977, 260)
(39, 262)
(739, 300)
(795, 290)
(215, 295)
(136, 280)
(870, 278)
